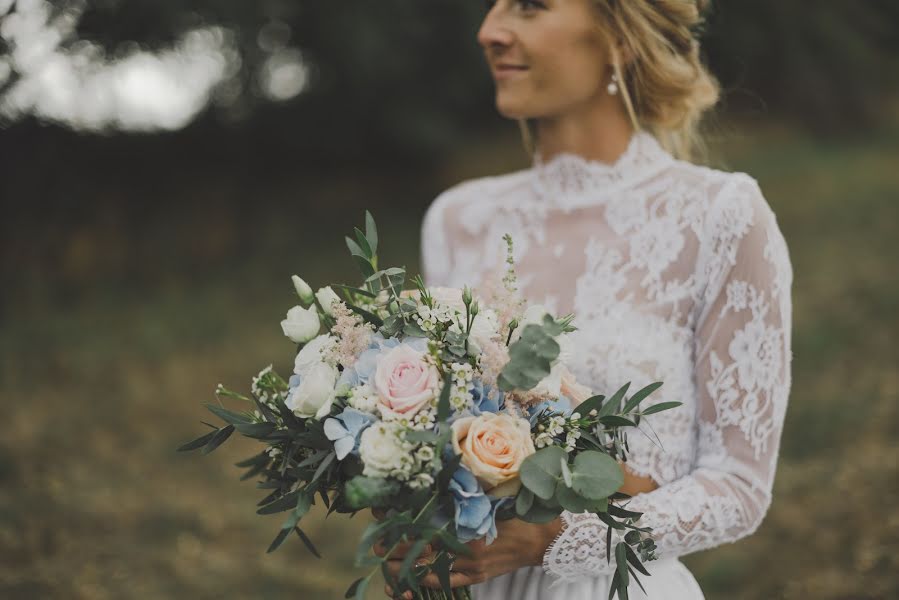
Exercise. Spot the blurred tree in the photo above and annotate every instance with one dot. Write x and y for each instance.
(830, 64)
(357, 79)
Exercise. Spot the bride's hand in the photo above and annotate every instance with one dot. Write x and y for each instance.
(518, 544)
(635, 484)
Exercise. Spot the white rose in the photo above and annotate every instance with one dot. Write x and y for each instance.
(301, 324)
(312, 353)
(533, 315)
(381, 450)
(484, 328)
(303, 290)
(327, 297)
(314, 395)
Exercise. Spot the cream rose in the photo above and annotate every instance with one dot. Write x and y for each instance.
(405, 382)
(493, 446)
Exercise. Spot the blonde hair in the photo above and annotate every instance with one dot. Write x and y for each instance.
(664, 85)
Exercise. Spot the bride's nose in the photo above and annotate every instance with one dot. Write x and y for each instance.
(494, 32)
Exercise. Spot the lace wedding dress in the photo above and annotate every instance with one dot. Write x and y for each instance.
(675, 273)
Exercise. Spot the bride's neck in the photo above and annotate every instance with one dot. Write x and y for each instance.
(599, 133)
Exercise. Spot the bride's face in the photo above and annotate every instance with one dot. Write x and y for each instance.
(546, 56)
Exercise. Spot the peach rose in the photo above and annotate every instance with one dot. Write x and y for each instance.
(404, 382)
(493, 446)
(572, 389)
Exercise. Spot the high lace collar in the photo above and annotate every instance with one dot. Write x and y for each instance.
(570, 179)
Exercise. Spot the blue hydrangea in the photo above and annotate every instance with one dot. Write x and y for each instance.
(475, 511)
(485, 398)
(345, 429)
(561, 406)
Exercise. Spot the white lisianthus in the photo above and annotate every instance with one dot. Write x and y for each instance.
(326, 298)
(314, 395)
(303, 290)
(301, 324)
(312, 353)
(382, 451)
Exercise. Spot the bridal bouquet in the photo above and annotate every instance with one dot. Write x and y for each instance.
(441, 410)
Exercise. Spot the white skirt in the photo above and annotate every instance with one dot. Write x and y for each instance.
(669, 580)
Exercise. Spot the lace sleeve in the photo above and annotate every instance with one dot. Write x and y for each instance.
(742, 373)
(436, 260)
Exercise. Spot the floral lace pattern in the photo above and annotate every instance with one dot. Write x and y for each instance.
(675, 273)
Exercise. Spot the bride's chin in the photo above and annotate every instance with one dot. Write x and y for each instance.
(511, 110)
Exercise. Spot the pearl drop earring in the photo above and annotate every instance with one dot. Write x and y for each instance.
(613, 86)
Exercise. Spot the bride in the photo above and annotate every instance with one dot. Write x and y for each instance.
(675, 272)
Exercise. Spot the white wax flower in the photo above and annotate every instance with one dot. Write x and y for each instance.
(327, 297)
(315, 393)
(303, 290)
(364, 398)
(301, 324)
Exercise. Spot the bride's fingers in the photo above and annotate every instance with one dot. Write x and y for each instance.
(393, 564)
(400, 551)
(389, 591)
(459, 579)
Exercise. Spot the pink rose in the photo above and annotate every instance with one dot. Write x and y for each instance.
(405, 382)
(493, 446)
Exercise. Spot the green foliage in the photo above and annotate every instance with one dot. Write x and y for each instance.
(531, 356)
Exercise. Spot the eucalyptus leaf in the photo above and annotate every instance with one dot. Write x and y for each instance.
(524, 501)
(596, 475)
(362, 491)
(540, 513)
(571, 501)
(541, 471)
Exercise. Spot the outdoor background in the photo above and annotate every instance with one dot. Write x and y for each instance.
(164, 169)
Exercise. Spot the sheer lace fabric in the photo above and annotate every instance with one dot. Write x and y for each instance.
(675, 273)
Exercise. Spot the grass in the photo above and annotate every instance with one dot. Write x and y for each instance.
(100, 385)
